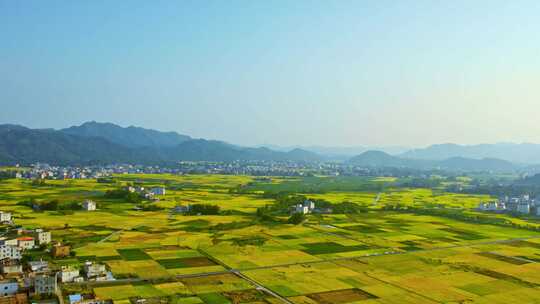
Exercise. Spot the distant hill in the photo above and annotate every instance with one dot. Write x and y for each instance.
(340, 153)
(132, 137)
(533, 180)
(86, 145)
(381, 159)
(517, 153)
(23, 145)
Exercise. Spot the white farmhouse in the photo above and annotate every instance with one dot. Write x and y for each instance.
(42, 237)
(94, 271)
(11, 268)
(309, 204)
(5, 217)
(10, 252)
(26, 242)
(301, 209)
(39, 266)
(69, 274)
(89, 205)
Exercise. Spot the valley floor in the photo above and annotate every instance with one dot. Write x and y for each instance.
(377, 256)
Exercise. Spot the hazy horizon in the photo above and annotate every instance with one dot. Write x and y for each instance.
(391, 148)
(318, 73)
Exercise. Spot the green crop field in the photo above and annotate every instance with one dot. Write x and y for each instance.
(433, 249)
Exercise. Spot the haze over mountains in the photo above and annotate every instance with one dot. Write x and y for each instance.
(525, 153)
(341, 153)
(97, 143)
(102, 143)
(131, 136)
(381, 159)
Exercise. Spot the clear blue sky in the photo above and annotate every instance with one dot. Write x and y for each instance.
(281, 72)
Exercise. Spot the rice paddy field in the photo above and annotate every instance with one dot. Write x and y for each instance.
(377, 256)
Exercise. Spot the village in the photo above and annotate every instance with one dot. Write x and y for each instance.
(523, 205)
(256, 168)
(24, 280)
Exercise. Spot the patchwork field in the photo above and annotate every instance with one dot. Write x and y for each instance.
(373, 256)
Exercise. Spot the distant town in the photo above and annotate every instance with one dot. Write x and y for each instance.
(251, 168)
(519, 205)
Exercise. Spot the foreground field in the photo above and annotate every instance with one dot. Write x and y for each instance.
(375, 256)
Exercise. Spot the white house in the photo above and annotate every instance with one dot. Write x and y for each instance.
(8, 242)
(8, 288)
(11, 268)
(39, 266)
(302, 209)
(10, 252)
(26, 242)
(309, 204)
(5, 217)
(42, 237)
(89, 205)
(158, 191)
(94, 271)
(69, 274)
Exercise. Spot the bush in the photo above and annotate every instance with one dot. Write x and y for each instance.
(204, 209)
(296, 219)
(130, 197)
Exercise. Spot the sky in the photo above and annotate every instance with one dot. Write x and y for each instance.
(330, 73)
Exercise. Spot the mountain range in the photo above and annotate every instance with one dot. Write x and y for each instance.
(381, 159)
(525, 153)
(341, 153)
(132, 137)
(103, 143)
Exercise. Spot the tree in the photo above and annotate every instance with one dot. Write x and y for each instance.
(297, 218)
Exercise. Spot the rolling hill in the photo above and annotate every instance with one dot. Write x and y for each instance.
(132, 137)
(105, 143)
(381, 159)
(525, 153)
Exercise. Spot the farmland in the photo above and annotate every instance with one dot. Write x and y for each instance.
(376, 255)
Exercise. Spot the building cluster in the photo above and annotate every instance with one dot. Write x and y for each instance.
(45, 171)
(21, 280)
(309, 206)
(253, 168)
(150, 194)
(305, 207)
(522, 205)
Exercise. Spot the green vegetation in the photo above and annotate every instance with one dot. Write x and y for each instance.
(385, 240)
(203, 209)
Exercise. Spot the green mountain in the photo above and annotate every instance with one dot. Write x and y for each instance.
(133, 137)
(381, 159)
(86, 145)
(525, 153)
(23, 145)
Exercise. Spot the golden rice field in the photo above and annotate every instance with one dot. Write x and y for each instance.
(372, 257)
